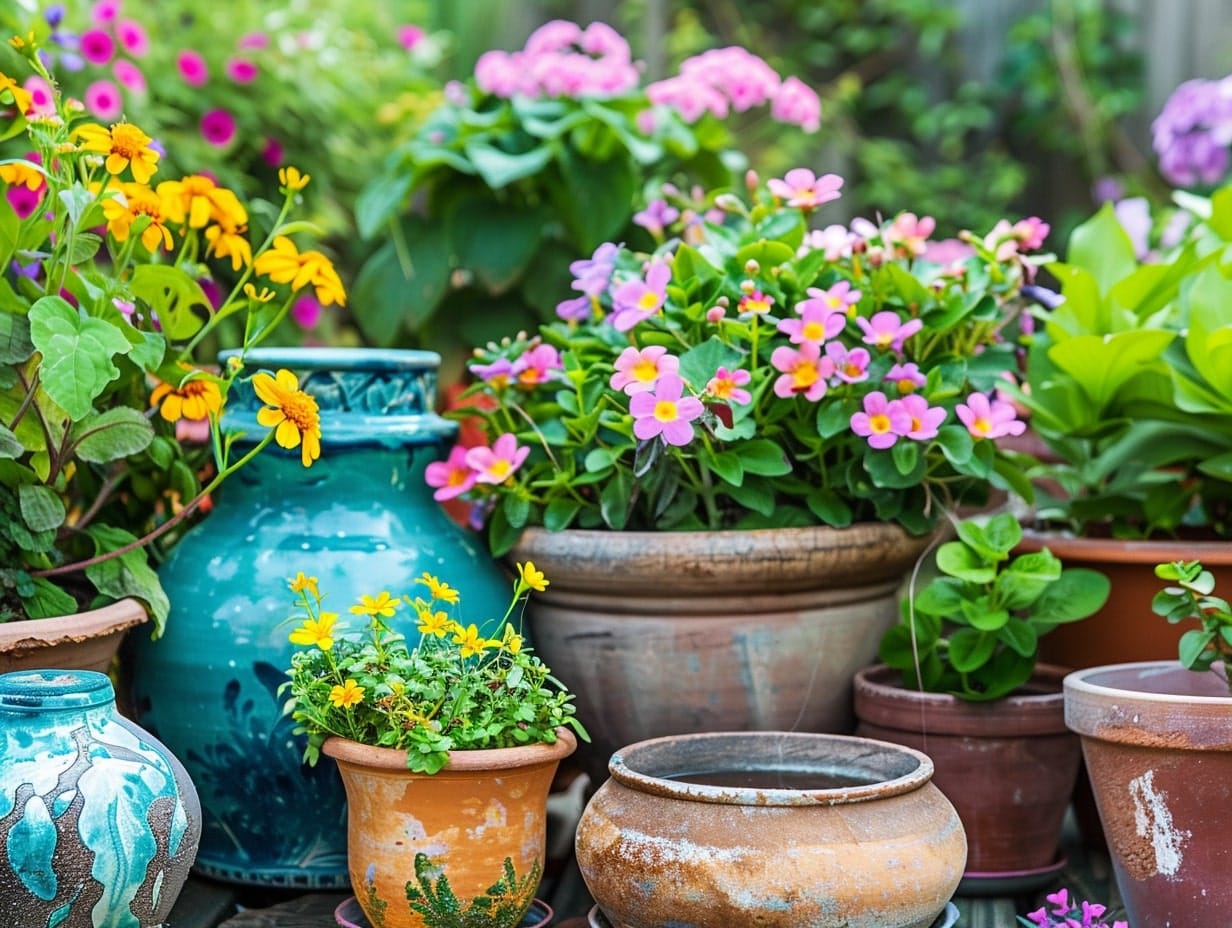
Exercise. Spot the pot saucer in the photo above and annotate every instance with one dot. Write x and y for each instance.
(947, 919)
(350, 915)
(1010, 882)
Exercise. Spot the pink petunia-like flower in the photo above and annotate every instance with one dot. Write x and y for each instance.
(1031, 232)
(193, 68)
(803, 189)
(834, 240)
(756, 303)
(906, 377)
(129, 75)
(498, 463)
(535, 366)
(409, 36)
(882, 422)
(796, 104)
(498, 374)
(887, 330)
(451, 477)
(103, 100)
(306, 311)
(985, 419)
(97, 47)
(133, 37)
(252, 40)
(637, 300)
(42, 98)
(638, 370)
(909, 233)
(838, 296)
(728, 386)
(849, 366)
(665, 412)
(803, 371)
(218, 127)
(817, 323)
(925, 419)
(104, 12)
(241, 70)
(272, 153)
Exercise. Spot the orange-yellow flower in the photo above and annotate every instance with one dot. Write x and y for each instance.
(22, 98)
(439, 589)
(435, 623)
(291, 412)
(347, 695)
(125, 146)
(284, 263)
(195, 399)
(135, 201)
(470, 643)
(22, 173)
(531, 578)
(382, 604)
(226, 240)
(292, 179)
(197, 200)
(304, 583)
(319, 631)
(511, 641)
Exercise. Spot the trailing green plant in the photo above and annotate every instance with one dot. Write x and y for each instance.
(1193, 598)
(973, 630)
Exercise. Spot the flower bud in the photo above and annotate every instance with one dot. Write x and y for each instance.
(729, 202)
(715, 314)
(747, 286)
(751, 266)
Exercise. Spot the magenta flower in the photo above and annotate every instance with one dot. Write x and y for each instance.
(989, 420)
(498, 463)
(252, 40)
(129, 75)
(756, 303)
(803, 371)
(887, 330)
(638, 370)
(800, 187)
(907, 377)
(451, 477)
(306, 311)
(690, 98)
(925, 419)
(104, 12)
(42, 100)
(727, 386)
(796, 104)
(409, 36)
(656, 217)
(103, 100)
(25, 201)
(882, 422)
(849, 366)
(218, 127)
(193, 68)
(536, 365)
(272, 153)
(497, 375)
(133, 38)
(97, 47)
(1031, 232)
(817, 323)
(666, 412)
(637, 300)
(241, 70)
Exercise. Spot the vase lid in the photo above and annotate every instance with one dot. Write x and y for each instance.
(39, 690)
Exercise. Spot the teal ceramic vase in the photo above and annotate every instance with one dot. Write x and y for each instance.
(98, 821)
(360, 520)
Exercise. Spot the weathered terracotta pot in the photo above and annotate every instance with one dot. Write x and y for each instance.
(1008, 765)
(84, 641)
(860, 839)
(663, 633)
(1157, 739)
(419, 846)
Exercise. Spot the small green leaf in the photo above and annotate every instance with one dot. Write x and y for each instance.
(559, 513)
(728, 467)
(10, 447)
(1192, 646)
(48, 601)
(763, 457)
(174, 295)
(111, 435)
(15, 344)
(970, 649)
(500, 169)
(614, 500)
(1021, 637)
(41, 507)
(958, 560)
(128, 574)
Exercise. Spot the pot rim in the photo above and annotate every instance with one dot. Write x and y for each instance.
(920, 775)
(1067, 545)
(345, 750)
(307, 358)
(1079, 683)
(78, 626)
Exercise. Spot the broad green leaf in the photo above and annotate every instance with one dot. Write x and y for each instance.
(559, 513)
(10, 228)
(699, 363)
(753, 494)
(970, 649)
(1191, 647)
(1209, 340)
(763, 457)
(48, 601)
(1003, 533)
(500, 168)
(979, 615)
(1026, 578)
(15, 344)
(943, 597)
(41, 507)
(596, 199)
(1102, 246)
(111, 435)
(494, 241)
(174, 295)
(128, 574)
(77, 352)
(1076, 594)
(906, 455)
(728, 466)
(1021, 637)
(1102, 364)
(881, 467)
(517, 509)
(768, 254)
(614, 500)
(957, 560)
(379, 200)
(403, 283)
(10, 447)
(830, 508)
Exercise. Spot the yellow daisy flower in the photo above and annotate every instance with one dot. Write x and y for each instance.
(22, 98)
(435, 623)
(511, 641)
(137, 201)
(292, 179)
(284, 263)
(319, 632)
(347, 695)
(382, 604)
(438, 589)
(291, 412)
(470, 642)
(21, 174)
(530, 578)
(301, 583)
(195, 400)
(226, 240)
(125, 146)
(197, 200)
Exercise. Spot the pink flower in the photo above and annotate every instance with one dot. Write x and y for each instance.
(97, 47)
(1031, 232)
(727, 386)
(637, 300)
(838, 296)
(129, 75)
(497, 73)
(553, 36)
(834, 240)
(925, 419)
(193, 68)
(133, 38)
(218, 127)
(105, 11)
(22, 199)
(497, 375)
(42, 100)
(803, 370)
(251, 40)
(535, 365)
(817, 323)
(451, 477)
(272, 153)
(887, 330)
(989, 420)
(909, 233)
(907, 377)
(496, 464)
(306, 311)
(797, 104)
(656, 217)
(801, 188)
(666, 412)
(849, 366)
(691, 98)
(638, 370)
(756, 303)
(241, 70)
(882, 422)
(409, 36)
(103, 100)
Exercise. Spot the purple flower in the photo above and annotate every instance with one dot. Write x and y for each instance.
(592, 276)
(637, 300)
(498, 374)
(907, 377)
(656, 217)
(54, 14)
(1192, 132)
(665, 412)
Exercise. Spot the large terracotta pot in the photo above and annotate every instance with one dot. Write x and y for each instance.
(84, 641)
(468, 839)
(1008, 765)
(1157, 739)
(662, 633)
(774, 829)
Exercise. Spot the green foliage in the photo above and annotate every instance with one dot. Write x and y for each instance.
(1193, 599)
(504, 903)
(973, 631)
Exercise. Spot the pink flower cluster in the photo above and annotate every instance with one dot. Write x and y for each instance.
(1062, 912)
(561, 59)
(103, 45)
(657, 401)
(466, 467)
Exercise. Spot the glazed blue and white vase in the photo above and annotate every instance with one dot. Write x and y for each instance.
(98, 821)
(361, 520)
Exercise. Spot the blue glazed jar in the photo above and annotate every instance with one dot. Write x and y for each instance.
(360, 520)
(98, 821)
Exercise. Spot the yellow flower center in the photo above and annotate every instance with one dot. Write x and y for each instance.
(804, 376)
(499, 467)
(127, 140)
(302, 410)
(981, 426)
(813, 331)
(644, 370)
(879, 423)
(457, 477)
(648, 301)
(852, 370)
(723, 388)
(906, 386)
(665, 411)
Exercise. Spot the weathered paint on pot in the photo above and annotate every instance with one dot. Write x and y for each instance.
(886, 850)
(1157, 740)
(474, 834)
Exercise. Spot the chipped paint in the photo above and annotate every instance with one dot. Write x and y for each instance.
(1153, 820)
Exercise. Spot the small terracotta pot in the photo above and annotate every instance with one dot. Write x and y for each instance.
(1157, 739)
(860, 839)
(421, 844)
(1008, 765)
(83, 641)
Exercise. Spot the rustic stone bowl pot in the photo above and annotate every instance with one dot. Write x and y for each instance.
(774, 829)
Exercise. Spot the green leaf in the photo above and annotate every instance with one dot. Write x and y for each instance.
(1021, 637)
(762, 456)
(1103, 247)
(1191, 647)
(77, 352)
(390, 295)
(728, 467)
(755, 495)
(699, 363)
(517, 509)
(906, 455)
(111, 435)
(1076, 594)
(41, 507)
(1026, 578)
(596, 199)
(883, 470)
(495, 241)
(559, 513)
(173, 294)
(10, 447)
(1101, 364)
(499, 168)
(830, 508)
(835, 419)
(943, 596)
(15, 344)
(85, 247)
(970, 649)
(986, 620)
(10, 229)
(128, 574)
(766, 253)
(958, 560)
(48, 601)
(1002, 533)
(379, 200)
(614, 500)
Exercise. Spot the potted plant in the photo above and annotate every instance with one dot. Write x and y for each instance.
(108, 423)
(961, 682)
(1060, 911)
(447, 749)
(1157, 745)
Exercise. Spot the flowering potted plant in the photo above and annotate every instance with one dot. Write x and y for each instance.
(109, 439)
(1060, 911)
(960, 677)
(478, 724)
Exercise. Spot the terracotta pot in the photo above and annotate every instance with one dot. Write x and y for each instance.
(1125, 629)
(471, 835)
(83, 641)
(860, 838)
(661, 633)
(1157, 739)
(1008, 765)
